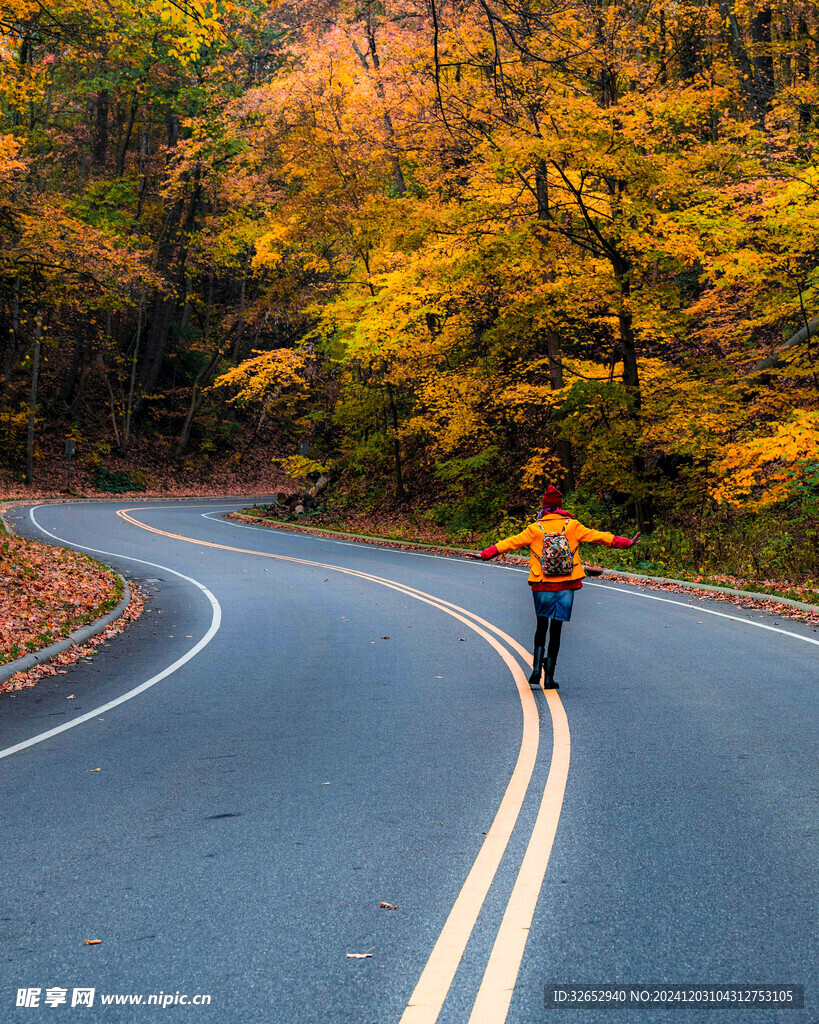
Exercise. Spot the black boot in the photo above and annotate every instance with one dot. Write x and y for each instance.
(537, 666)
(550, 683)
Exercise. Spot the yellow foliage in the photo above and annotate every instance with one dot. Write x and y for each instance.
(265, 374)
(762, 470)
(541, 466)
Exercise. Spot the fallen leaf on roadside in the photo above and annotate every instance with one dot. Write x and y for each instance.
(93, 942)
(388, 906)
(95, 769)
(46, 593)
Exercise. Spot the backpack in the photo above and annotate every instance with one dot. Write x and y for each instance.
(557, 558)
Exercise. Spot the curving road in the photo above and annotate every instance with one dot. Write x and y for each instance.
(345, 726)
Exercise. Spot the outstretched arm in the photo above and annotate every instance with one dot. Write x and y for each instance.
(520, 540)
(587, 536)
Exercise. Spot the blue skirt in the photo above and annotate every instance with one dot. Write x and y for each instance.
(554, 604)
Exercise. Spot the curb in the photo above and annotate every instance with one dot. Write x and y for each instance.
(610, 574)
(79, 636)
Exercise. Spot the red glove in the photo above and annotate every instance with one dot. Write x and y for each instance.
(488, 553)
(624, 542)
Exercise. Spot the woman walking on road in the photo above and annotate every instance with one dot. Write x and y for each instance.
(555, 572)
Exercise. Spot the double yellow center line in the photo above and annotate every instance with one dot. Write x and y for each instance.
(495, 992)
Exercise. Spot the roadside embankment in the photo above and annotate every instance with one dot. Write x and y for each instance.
(56, 605)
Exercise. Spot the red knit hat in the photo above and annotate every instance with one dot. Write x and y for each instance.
(552, 497)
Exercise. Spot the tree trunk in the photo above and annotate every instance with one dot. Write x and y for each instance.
(397, 172)
(542, 190)
(32, 405)
(165, 306)
(11, 346)
(663, 49)
(201, 378)
(763, 59)
(156, 344)
(193, 408)
(631, 380)
(628, 349)
(104, 369)
(196, 399)
(8, 361)
(399, 476)
(25, 50)
(562, 445)
(143, 138)
(101, 127)
(123, 150)
(803, 334)
(172, 127)
(258, 427)
(241, 330)
(111, 399)
(129, 408)
(803, 59)
(67, 393)
(787, 39)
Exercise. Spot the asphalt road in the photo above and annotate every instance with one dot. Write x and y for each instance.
(338, 743)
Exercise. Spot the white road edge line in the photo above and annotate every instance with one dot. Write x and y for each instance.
(705, 611)
(216, 621)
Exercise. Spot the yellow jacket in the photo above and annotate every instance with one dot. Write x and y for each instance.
(532, 537)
